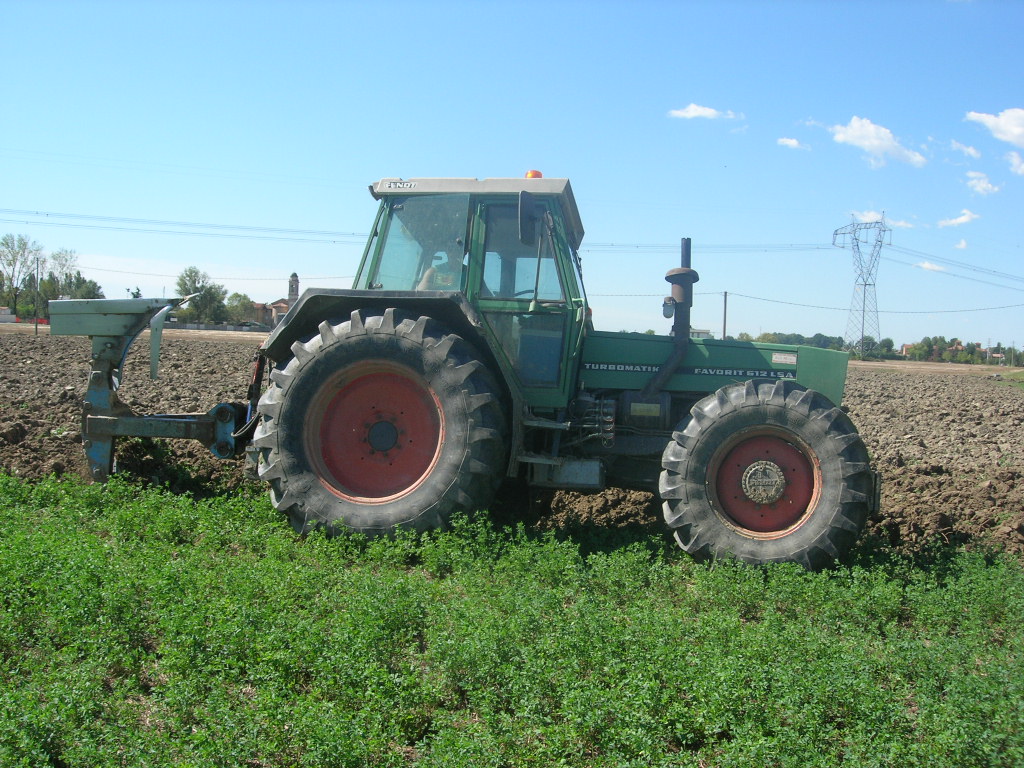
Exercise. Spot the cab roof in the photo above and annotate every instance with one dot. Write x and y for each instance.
(559, 188)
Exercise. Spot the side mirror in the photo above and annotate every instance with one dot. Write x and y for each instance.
(527, 218)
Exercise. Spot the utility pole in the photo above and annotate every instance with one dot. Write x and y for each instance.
(725, 312)
(863, 320)
(36, 301)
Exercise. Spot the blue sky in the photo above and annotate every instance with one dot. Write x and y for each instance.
(754, 128)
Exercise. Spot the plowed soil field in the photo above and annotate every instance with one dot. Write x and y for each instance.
(948, 440)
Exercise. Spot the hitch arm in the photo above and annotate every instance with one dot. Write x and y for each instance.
(112, 325)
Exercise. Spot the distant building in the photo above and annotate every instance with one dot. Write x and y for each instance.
(272, 313)
(262, 313)
(278, 309)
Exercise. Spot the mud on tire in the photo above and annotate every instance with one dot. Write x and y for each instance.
(382, 421)
(766, 471)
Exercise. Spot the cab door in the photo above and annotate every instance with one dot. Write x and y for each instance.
(531, 302)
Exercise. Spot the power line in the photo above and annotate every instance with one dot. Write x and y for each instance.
(704, 248)
(958, 264)
(819, 306)
(243, 231)
(227, 235)
(316, 236)
(158, 274)
(191, 228)
(164, 222)
(951, 274)
(286, 234)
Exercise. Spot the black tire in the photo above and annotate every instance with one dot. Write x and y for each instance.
(380, 422)
(766, 471)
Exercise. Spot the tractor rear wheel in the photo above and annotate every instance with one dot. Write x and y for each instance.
(766, 471)
(380, 422)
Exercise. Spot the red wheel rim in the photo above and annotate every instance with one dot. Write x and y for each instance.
(765, 484)
(379, 433)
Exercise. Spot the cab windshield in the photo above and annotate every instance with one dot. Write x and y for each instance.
(423, 244)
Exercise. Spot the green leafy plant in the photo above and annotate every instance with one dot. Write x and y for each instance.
(142, 627)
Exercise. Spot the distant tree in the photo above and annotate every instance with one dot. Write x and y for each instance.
(207, 306)
(64, 281)
(77, 287)
(768, 338)
(72, 286)
(20, 257)
(239, 308)
(744, 336)
(866, 346)
(922, 350)
(63, 263)
(822, 341)
(886, 345)
(790, 338)
(137, 293)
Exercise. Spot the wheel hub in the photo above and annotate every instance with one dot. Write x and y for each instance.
(763, 482)
(382, 436)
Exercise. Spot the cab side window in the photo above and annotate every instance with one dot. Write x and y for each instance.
(512, 270)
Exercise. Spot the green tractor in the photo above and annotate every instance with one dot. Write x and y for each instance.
(464, 356)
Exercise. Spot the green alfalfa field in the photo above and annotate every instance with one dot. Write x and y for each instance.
(144, 628)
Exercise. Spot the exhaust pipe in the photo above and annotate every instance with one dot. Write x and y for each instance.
(678, 307)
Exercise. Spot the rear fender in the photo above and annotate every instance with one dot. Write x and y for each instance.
(448, 307)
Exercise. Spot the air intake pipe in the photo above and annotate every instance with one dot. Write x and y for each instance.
(677, 306)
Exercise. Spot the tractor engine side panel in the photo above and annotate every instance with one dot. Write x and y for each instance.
(627, 361)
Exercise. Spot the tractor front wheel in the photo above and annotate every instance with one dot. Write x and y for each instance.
(766, 471)
(382, 421)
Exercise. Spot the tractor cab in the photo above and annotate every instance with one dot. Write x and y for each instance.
(510, 247)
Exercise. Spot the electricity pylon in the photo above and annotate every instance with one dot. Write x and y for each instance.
(862, 327)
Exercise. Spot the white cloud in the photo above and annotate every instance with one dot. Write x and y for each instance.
(964, 217)
(929, 266)
(1007, 126)
(708, 113)
(978, 182)
(969, 151)
(1016, 164)
(791, 143)
(877, 141)
(962, 245)
(863, 217)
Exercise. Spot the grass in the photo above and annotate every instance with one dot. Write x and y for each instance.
(142, 628)
(1015, 379)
